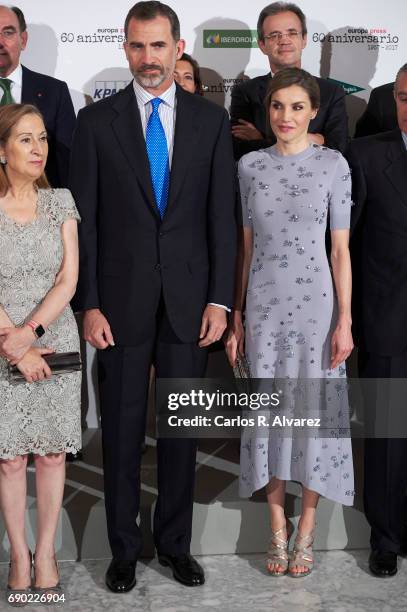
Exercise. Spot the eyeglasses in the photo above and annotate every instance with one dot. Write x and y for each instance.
(277, 36)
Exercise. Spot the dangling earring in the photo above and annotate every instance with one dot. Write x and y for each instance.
(3, 160)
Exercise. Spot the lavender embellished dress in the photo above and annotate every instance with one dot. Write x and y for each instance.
(291, 307)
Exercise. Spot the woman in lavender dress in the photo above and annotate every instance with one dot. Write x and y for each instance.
(296, 326)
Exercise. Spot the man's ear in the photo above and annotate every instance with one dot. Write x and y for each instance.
(180, 48)
(262, 46)
(24, 38)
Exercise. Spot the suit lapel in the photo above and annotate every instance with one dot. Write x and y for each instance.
(263, 85)
(129, 134)
(262, 121)
(185, 138)
(396, 171)
(29, 93)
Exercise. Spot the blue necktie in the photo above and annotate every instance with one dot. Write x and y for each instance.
(157, 152)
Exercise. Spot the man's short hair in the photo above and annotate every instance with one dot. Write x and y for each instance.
(280, 7)
(402, 70)
(20, 16)
(145, 11)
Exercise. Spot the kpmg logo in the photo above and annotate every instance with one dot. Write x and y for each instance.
(229, 39)
(105, 89)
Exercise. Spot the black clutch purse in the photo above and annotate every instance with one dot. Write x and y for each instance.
(59, 363)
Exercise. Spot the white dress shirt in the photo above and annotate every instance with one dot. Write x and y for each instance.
(16, 87)
(167, 113)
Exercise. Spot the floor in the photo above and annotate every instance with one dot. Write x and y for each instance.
(340, 583)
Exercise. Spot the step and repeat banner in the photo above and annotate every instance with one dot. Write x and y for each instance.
(358, 44)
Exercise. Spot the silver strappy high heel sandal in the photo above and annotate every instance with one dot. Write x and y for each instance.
(277, 553)
(302, 555)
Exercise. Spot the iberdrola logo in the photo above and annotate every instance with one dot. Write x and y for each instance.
(213, 39)
(229, 39)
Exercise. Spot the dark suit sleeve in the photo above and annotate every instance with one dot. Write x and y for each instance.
(359, 195)
(335, 130)
(359, 188)
(83, 184)
(64, 128)
(370, 122)
(240, 108)
(221, 219)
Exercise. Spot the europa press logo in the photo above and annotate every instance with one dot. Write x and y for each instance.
(105, 89)
(373, 38)
(101, 36)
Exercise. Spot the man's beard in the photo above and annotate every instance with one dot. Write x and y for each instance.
(149, 80)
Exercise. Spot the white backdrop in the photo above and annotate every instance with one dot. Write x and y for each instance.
(80, 41)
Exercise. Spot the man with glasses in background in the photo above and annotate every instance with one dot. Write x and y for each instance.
(282, 35)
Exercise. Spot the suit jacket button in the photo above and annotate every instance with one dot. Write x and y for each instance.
(158, 267)
(162, 234)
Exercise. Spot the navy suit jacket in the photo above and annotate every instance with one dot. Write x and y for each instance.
(129, 257)
(248, 104)
(379, 242)
(51, 96)
(380, 114)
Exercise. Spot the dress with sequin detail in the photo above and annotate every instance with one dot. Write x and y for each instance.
(44, 416)
(291, 307)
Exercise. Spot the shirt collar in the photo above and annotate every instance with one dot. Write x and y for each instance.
(16, 76)
(144, 97)
(404, 136)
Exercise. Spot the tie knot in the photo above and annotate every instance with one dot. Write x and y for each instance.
(155, 103)
(5, 84)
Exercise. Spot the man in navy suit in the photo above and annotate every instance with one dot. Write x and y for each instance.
(153, 177)
(282, 35)
(51, 96)
(379, 266)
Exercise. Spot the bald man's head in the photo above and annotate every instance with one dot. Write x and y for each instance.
(12, 40)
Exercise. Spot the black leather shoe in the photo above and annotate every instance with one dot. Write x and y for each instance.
(383, 563)
(403, 545)
(184, 568)
(121, 575)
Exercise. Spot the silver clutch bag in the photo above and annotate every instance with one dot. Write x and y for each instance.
(59, 363)
(241, 369)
